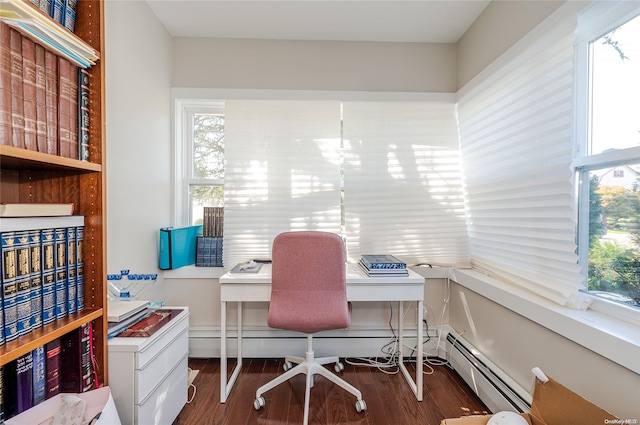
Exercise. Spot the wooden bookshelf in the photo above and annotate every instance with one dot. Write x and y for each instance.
(33, 177)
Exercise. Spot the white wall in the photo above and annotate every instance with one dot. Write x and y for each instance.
(314, 65)
(138, 80)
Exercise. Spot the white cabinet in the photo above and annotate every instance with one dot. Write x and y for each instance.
(148, 376)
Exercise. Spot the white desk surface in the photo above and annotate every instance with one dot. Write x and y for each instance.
(360, 287)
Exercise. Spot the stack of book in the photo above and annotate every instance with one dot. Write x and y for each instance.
(382, 265)
(123, 314)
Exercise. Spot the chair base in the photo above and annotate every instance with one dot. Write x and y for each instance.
(310, 366)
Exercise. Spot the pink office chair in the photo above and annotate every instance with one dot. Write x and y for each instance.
(308, 294)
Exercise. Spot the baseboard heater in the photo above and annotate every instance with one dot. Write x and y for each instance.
(495, 391)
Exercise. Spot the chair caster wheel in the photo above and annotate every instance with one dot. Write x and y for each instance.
(361, 406)
(338, 367)
(287, 366)
(258, 403)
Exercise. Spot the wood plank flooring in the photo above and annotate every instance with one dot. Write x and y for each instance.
(389, 399)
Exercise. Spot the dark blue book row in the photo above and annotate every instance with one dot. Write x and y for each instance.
(42, 278)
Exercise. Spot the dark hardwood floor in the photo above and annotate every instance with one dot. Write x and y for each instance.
(389, 399)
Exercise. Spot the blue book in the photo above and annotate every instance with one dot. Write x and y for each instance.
(80, 267)
(39, 375)
(9, 286)
(72, 302)
(57, 11)
(70, 14)
(384, 261)
(35, 248)
(23, 280)
(48, 276)
(60, 241)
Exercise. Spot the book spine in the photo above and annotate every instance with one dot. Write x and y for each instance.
(72, 301)
(23, 279)
(73, 112)
(29, 93)
(48, 276)
(1, 319)
(2, 406)
(39, 375)
(80, 267)
(64, 108)
(83, 114)
(9, 286)
(70, 14)
(17, 102)
(53, 351)
(41, 101)
(57, 11)
(5, 84)
(86, 351)
(51, 101)
(35, 248)
(45, 6)
(60, 236)
(76, 360)
(24, 372)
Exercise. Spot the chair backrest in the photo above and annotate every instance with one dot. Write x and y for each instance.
(308, 283)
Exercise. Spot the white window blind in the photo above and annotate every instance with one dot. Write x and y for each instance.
(402, 182)
(516, 137)
(282, 173)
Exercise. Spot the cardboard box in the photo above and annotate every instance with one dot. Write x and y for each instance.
(553, 404)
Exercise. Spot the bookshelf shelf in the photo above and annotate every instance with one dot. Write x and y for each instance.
(17, 158)
(21, 346)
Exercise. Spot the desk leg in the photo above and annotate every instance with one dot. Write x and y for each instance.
(416, 385)
(226, 386)
(223, 352)
(419, 355)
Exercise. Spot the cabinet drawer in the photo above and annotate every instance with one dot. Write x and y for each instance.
(148, 353)
(166, 401)
(154, 372)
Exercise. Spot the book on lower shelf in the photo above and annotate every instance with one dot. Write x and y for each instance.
(76, 360)
(18, 375)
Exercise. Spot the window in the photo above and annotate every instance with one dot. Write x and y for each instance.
(608, 153)
(202, 166)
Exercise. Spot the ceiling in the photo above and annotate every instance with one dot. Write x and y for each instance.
(436, 21)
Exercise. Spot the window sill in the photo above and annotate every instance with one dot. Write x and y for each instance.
(193, 272)
(617, 340)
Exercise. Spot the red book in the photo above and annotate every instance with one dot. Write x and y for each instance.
(17, 102)
(150, 324)
(76, 360)
(29, 92)
(52, 360)
(41, 100)
(64, 107)
(51, 101)
(5, 84)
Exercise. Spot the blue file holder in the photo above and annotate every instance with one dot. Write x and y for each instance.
(177, 246)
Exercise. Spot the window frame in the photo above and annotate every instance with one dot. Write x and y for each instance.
(594, 22)
(185, 109)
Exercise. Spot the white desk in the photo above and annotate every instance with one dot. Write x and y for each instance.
(256, 287)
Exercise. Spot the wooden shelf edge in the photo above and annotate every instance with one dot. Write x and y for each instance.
(24, 344)
(12, 157)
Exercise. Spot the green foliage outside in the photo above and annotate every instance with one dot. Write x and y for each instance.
(613, 267)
